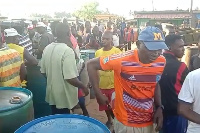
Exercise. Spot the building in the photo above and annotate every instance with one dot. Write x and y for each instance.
(173, 17)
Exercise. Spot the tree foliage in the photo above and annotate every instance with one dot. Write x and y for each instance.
(62, 15)
(88, 11)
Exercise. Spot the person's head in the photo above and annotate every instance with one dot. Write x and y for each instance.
(62, 32)
(175, 44)
(128, 25)
(107, 38)
(94, 20)
(31, 31)
(41, 28)
(150, 43)
(88, 26)
(82, 27)
(95, 31)
(73, 31)
(147, 24)
(11, 36)
(109, 25)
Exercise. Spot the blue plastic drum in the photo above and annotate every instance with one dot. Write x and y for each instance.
(64, 124)
(90, 52)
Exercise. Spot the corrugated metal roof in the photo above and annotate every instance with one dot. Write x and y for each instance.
(163, 16)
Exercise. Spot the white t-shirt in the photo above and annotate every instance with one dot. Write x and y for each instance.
(116, 40)
(190, 93)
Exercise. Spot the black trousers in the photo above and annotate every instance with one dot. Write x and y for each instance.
(128, 47)
(59, 111)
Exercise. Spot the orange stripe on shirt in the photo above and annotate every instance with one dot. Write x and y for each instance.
(9, 72)
(3, 58)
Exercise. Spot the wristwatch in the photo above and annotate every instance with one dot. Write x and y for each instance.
(161, 106)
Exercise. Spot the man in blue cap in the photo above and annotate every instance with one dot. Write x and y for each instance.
(136, 77)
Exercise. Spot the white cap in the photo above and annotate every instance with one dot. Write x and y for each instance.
(11, 32)
(40, 24)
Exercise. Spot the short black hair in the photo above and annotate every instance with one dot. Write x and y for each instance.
(62, 30)
(171, 39)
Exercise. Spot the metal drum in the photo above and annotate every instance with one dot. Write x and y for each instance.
(37, 85)
(16, 108)
(87, 55)
(64, 124)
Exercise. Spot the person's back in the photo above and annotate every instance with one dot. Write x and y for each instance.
(10, 63)
(53, 63)
(18, 48)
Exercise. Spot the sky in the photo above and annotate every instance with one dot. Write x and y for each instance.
(23, 8)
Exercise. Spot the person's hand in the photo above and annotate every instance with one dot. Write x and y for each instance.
(102, 99)
(86, 91)
(158, 119)
(89, 85)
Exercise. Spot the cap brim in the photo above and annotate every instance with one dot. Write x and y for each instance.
(155, 45)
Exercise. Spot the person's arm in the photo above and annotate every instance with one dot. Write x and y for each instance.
(185, 109)
(186, 99)
(191, 67)
(93, 66)
(102, 63)
(31, 60)
(158, 116)
(44, 41)
(184, 72)
(70, 71)
(23, 72)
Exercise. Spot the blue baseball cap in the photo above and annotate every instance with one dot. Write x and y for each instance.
(153, 38)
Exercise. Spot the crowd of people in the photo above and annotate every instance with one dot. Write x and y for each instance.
(142, 90)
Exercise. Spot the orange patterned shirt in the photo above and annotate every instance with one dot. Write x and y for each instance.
(134, 87)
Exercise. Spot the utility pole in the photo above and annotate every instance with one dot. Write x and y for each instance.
(191, 6)
(153, 5)
(191, 14)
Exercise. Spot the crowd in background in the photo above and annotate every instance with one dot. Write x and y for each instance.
(140, 79)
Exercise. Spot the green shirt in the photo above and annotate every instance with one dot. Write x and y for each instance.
(59, 64)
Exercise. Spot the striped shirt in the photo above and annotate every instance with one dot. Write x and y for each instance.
(10, 62)
(26, 43)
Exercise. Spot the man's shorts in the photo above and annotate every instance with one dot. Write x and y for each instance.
(120, 128)
(108, 94)
(80, 93)
(175, 124)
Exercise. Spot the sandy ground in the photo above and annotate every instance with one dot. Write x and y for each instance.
(94, 112)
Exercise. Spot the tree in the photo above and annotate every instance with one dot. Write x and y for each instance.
(88, 11)
(41, 15)
(62, 15)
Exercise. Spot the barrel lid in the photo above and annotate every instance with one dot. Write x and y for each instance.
(12, 98)
(64, 124)
(88, 51)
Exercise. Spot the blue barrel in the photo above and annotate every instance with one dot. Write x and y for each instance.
(64, 124)
(90, 52)
(37, 85)
(16, 108)
(86, 55)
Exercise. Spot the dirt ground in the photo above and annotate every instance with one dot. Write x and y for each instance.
(94, 112)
